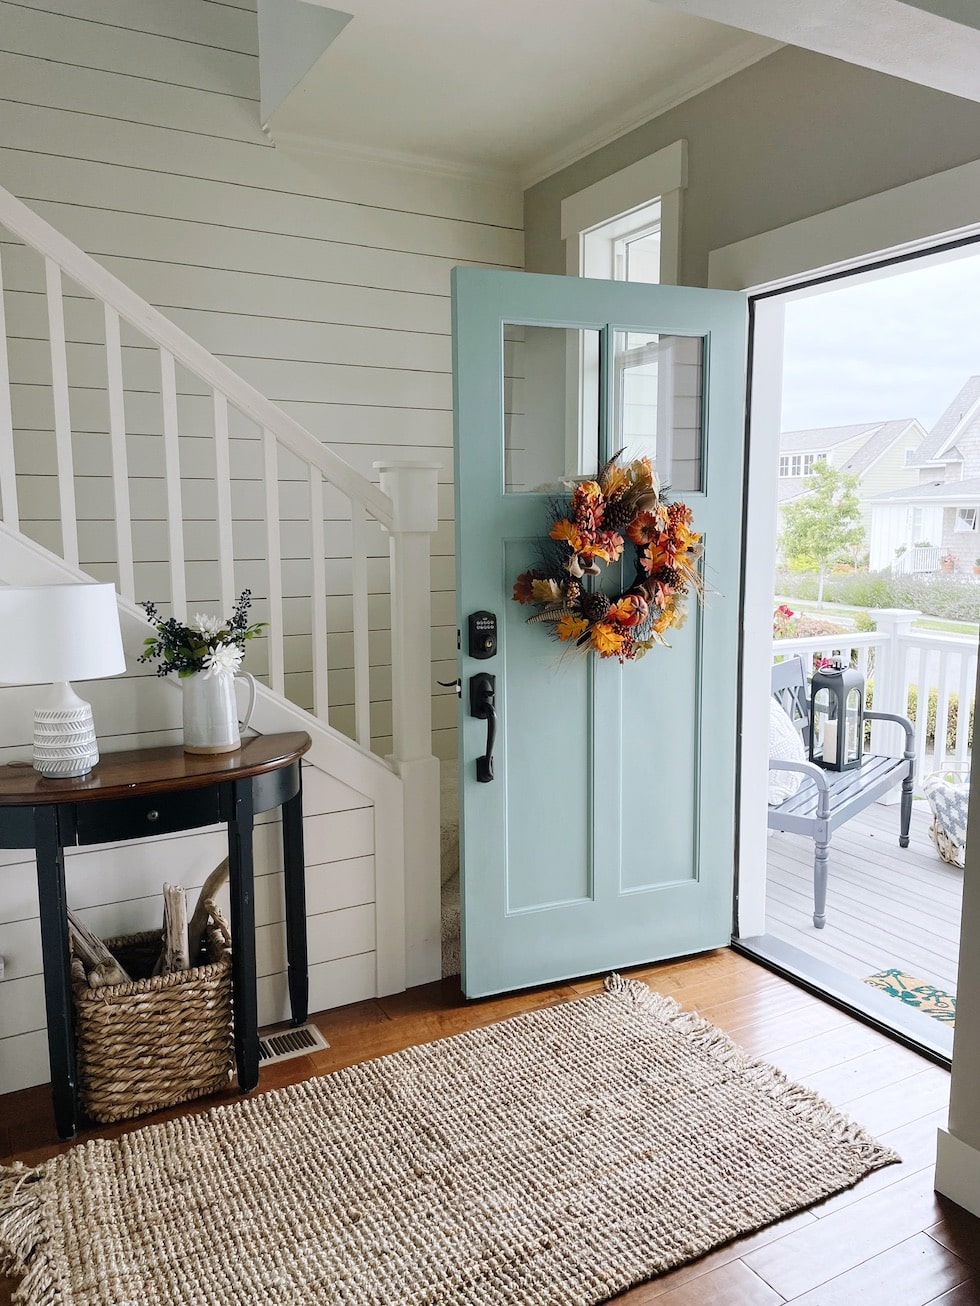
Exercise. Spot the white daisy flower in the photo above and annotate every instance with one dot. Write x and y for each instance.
(223, 660)
(205, 625)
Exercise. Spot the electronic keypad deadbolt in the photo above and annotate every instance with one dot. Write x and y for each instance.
(481, 634)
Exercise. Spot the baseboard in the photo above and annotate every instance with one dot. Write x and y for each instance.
(958, 1171)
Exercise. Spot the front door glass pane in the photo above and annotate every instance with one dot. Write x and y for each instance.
(551, 407)
(658, 392)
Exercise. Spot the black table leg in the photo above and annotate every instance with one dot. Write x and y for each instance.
(294, 867)
(242, 889)
(55, 955)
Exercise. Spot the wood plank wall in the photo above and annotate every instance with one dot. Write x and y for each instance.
(133, 127)
(325, 282)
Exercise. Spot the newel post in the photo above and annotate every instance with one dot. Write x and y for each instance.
(891, 682)
(412, 488)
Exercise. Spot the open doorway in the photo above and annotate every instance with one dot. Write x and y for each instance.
(872, 404)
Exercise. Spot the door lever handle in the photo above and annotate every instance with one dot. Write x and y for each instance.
(483, 706)
(455, 685)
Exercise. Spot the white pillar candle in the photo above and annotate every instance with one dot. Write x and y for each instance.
(830, 741)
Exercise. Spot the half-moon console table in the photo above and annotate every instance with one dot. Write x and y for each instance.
(153, 791)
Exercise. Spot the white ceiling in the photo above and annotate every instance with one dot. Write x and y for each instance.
(931, 42)
(519, 88)
(513, 88)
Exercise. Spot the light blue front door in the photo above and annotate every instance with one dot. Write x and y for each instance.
(606, 836)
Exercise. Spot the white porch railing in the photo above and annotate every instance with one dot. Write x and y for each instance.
(917, 560)
(927, 676)
(182, 483)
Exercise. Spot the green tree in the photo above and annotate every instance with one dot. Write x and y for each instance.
(824, 525)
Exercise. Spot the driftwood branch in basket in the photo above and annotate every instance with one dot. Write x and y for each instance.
(174, 952)
(199, 920)
(100, 965)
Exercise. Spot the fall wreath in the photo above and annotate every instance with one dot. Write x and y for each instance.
(623, 503)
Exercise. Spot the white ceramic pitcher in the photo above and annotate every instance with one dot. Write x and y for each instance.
(211, 721)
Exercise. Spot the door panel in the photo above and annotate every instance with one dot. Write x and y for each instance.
(558, 850)
(606, 837)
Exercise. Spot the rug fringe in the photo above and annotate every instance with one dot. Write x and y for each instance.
(22, 1236)
(767, 1078)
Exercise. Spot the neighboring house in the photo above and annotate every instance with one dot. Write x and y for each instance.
(942, 507)
(875, 452)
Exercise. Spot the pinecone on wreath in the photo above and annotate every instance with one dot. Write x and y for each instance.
(593, 606)
(618, 515)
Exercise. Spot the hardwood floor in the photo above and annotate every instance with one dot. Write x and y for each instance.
(886, 906)
(890, 1239)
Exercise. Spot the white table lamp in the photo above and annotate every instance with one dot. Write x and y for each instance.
(51, 634)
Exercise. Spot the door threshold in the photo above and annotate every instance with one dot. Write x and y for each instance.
(914, 1029)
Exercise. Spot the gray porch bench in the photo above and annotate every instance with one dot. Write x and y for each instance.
(826, 799)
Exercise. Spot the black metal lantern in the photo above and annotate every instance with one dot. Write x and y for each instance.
(836, 716)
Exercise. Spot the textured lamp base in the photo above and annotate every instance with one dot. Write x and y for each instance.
(64, 735)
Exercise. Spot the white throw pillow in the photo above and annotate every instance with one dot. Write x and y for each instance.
(785, 745)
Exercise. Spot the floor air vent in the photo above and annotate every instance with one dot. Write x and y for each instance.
(290, 1043)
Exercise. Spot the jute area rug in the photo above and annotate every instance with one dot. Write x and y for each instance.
(553, 1159)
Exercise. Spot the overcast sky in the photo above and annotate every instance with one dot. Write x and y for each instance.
(898, 347)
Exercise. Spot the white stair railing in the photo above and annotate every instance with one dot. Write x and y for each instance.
(278, 437)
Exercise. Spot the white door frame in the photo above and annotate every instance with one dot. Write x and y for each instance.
(907, 219)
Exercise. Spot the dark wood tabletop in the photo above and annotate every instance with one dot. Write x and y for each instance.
(152, 770)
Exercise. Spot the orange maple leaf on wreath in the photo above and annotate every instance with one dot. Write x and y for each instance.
(569, 627)
(606, 640)
(564, 529)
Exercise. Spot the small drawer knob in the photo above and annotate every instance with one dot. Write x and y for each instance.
(153, 814)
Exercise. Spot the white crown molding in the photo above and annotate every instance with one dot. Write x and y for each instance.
(726, 65)
(417, 163)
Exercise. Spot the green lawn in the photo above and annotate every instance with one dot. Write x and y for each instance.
(947, 627)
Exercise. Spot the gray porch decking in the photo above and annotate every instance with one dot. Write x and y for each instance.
(886, 906)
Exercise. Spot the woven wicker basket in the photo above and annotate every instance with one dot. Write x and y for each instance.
(158, 1040)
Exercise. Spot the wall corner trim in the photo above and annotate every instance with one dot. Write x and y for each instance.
(916, 216)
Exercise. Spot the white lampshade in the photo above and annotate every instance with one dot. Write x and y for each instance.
(50, 633)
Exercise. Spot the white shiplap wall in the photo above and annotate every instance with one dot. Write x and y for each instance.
(324, 281)
(133, 127)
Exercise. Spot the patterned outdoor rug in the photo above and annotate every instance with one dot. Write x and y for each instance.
(559, 1156)
(916, 993)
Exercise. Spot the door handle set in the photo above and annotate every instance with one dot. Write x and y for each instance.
(483, 706)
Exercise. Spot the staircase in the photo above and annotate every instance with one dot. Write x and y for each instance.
(130, 454)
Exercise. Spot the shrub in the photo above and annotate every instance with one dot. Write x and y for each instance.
(951, 718)
(783, 622)
(807, 626)
(939, 596)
